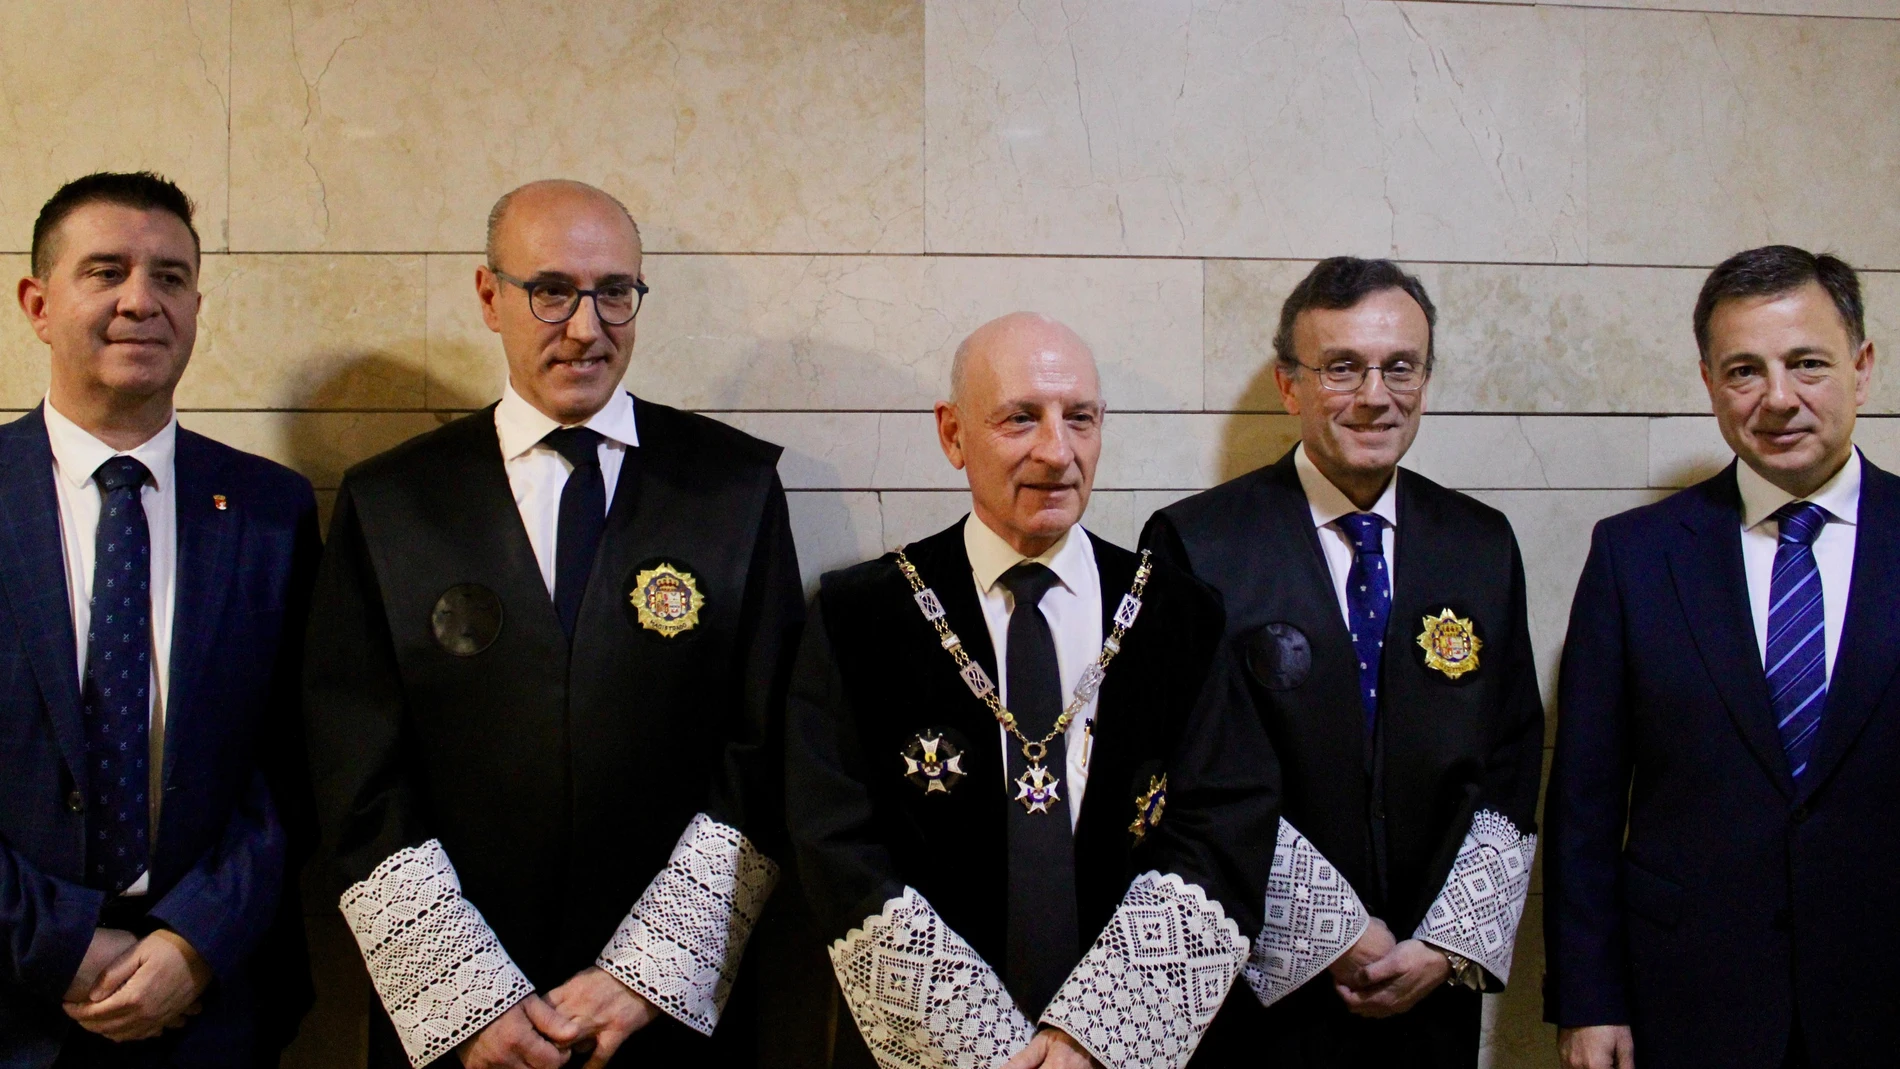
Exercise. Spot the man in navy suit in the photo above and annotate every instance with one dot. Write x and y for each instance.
(150, 584)
(1721, 871)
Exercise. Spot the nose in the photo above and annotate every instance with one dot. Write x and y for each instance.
(1780, 394)
(1372, 389)
(584, 326)
(1053, 448)
(138, 297)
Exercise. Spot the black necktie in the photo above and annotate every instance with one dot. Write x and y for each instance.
(583, 517)
(1041, 948)
(116, 697)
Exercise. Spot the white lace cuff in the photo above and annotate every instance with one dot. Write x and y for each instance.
(440, 971)
(1476, 914)
(680, 946)
(1313, 916)
(921, 996)
(1149, 987)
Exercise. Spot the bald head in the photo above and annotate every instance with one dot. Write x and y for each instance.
(549, 195)
(1024, 423)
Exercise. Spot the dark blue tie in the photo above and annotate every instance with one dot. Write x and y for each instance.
(1368, 603)
(116, 696)
(583, 517)
(1797, 632)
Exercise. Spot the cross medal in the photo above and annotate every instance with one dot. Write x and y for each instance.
(1037, 788)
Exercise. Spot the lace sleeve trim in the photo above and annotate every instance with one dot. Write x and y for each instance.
(921, 996)
(1476, 914)
(680, 945)
(438, 968)
(1147, 990)
(1312, 917)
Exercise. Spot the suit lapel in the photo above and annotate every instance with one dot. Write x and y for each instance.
(33, 574)
(1713, 587)
(1870, 649)
(207, 562)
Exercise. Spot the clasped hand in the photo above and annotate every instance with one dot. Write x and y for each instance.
(130, 988)
(1381, 976)
(591, 1015)
(1052, 1048)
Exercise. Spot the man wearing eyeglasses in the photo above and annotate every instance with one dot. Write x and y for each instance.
(549, 647)
(1382, 621)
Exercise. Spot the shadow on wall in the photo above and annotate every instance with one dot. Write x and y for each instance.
(1261, 433)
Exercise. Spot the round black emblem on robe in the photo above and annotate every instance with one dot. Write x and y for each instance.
(1279, 656)
(466, 620)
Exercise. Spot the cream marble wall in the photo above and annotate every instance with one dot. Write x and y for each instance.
(834, 191)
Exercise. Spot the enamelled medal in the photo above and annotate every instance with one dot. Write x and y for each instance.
(1036, 788)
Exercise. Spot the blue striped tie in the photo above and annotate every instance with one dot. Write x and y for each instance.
(1368, 603)
(1797, 632)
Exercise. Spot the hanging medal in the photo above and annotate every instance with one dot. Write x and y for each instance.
(1037, 788)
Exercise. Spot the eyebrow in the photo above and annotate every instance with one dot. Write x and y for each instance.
(618, 277)
(120, 258)
(1343, 351)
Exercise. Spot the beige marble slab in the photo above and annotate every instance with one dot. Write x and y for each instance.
(1532, 452)
(309, 332)
(730, 124)
(1298, 128)
(857, 332)
(1712, 133)
(1866, 9)
(1685, 450)
(112, 85)
(834, 530)
(1519, 338)
(320, 445)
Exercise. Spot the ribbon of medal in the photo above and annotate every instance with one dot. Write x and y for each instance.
(1036, 788)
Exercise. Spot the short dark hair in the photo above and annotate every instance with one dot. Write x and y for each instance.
(1341, 282)
(142, 190)
(1773, 270)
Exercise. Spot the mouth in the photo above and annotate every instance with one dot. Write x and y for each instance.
(1785, 437)
(580, 365)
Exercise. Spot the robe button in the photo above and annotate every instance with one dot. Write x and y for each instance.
(75, 802)
(1800, 814)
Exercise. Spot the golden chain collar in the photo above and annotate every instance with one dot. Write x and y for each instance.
(979, 681)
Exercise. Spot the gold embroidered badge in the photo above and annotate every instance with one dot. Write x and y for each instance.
(667, 599)
(1451, 645)
(1148, 806)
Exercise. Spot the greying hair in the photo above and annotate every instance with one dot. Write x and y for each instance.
(500, 212)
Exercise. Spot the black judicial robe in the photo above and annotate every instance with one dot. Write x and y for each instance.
(1431, 826)
(488, 794)
(910, 885)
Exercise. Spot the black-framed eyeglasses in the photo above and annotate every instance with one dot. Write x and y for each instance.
(555, 301)
(1346, 376)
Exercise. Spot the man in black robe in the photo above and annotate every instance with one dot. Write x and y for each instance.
(1064, 870)
(547, 647)
(1382, 621)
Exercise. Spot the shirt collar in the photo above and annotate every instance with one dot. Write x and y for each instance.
(1840, 496)
(521, 426)
(1071, 558)
(77, 454)
(1329, 502)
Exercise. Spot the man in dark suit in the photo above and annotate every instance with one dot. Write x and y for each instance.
(1382, 620)
(1722, 872)
(1063, 870)
(547, 658)
(152, 586)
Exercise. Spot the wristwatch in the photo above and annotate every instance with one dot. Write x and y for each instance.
(1464, 972)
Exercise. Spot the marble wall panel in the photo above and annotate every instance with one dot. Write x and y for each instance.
(734, 124)
(1706, 132)
(834, 530)
(858, 332)
(23, 357)
(1866, 9)
(307, 332)
(112, 85)
(320, 445)
(1301, 128)
(1532, 452)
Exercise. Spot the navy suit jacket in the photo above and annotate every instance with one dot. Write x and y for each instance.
(217, 869)
(1693, 889)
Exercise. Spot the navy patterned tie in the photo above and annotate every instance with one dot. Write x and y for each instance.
(1368, 603)
(583, 517)
(1797, 632)
(116, 696)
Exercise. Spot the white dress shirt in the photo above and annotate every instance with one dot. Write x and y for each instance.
(76, 456)
(1833, 547)
(537, 474)
(1328, 503)
(1073, 608)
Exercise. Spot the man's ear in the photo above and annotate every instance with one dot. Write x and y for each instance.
(950, 433)
(1283, 379)
(1863, 372)
(32, 298)
(488, 289)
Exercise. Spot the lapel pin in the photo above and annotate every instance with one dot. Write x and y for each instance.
(218, 502)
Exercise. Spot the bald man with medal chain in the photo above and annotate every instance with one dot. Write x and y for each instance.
(1017, 756)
